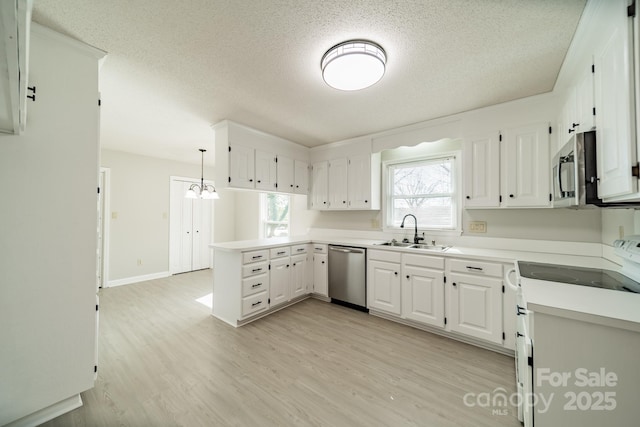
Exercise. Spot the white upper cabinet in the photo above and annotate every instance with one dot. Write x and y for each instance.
(615, 133)
(481, 156)
(585, 100)
(257, 160)
(319, 190)
(525, 166)
(241, 167)
(338, 193)
(301, 177)
(265, 165)
(285, 175)
(363, 177)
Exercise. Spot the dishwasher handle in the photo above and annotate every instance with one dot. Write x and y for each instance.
(346, 250)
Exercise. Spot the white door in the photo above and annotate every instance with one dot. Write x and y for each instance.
(614, 121)
(285, 175)
(525, 166)
(475, 306)
(384, 286)
(279, 281)
(299, 275)
(359, 181)
(202, 221)
(338, 184)
(186, 233)
(319, 185)
(241, 167)
(301, 177)
(266, 172)
(320, 274)
(423, 295)
(481, 156)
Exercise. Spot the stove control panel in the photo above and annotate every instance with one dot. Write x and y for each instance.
(628, 248)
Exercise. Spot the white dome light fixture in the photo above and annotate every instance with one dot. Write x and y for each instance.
(353, 65)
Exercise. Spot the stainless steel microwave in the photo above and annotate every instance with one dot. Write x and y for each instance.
(574, 173)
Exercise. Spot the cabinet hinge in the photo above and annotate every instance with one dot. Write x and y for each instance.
(98, 190)
(593, 68)
(229, 148)
(275, 184)
(550, 130)
(99, 102)
(631, 9)
(445, 279)
(550, 197)
(229, 179)
(96, 307)
(32, 89)
(269, 266)
(500, 137)
(500, 199)
(635, 170)
(503, 289)
(95, 369)
(445, 320)
(530, 361)
(503, 336)
(275, 159)
(594, 111)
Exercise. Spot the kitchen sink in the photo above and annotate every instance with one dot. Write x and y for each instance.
(398, 244)
(437, 248)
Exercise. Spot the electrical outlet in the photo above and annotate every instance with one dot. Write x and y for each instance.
(375, 224)
(621, 231)
(478, 227)
(114, 215)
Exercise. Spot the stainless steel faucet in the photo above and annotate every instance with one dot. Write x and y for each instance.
(416, 239)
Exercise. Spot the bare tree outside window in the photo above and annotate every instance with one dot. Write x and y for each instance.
(425, 189)
(275, 215)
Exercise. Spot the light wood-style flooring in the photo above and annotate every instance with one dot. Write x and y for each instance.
(165, 361)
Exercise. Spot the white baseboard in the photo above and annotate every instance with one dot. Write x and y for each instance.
(136, 279)
(48, 413)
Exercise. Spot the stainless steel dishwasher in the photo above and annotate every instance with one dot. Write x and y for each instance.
(347, 276)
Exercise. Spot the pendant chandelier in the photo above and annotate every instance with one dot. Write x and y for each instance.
(202, 191)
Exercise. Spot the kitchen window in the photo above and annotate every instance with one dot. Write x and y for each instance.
(426, 188)
(274, 214)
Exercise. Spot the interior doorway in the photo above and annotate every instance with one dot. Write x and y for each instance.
(190, 228)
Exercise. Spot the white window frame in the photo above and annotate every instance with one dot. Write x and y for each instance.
(387, 206)
(263, 214)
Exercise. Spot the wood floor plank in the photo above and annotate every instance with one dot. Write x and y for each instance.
(165, 361)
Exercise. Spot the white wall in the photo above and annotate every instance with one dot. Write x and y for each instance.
(139, 212)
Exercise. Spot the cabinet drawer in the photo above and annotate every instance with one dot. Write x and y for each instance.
(255, 256)
(279, 252)
(384, 255)
(255, 269)
(319, 248)
(255, 303)
(254, 284)
(299, 249)
(475, 267)
(427, 261)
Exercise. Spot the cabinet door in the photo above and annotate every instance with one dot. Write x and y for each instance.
(481, 156)
(423, 295)
(475, 306)
(319, 183)
(320, 274)
(525, 166)
(241, 167)
(614, 100)
(338, 184)
(585, 102)
(359, 181)
(266, 172)
(279, 281)
(383, 286)
(285, 175)
(301, 177)
(569, 118)
(299, 275)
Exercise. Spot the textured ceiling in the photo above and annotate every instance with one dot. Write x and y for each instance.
(176, 67)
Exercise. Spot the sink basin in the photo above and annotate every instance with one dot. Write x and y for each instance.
(398, 244)
(437, 248)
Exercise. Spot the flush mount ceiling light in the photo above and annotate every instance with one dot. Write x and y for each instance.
(203, 191)
(353, 65)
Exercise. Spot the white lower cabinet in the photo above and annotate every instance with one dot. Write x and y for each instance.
(320, 270)
(423, 289)
(474, 299)
(299, 275)
(279, 281)
(383, 281)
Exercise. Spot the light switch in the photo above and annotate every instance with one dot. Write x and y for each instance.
(114, 215)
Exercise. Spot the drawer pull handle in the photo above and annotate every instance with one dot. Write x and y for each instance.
(256, 285)
(282, 252)
(256, 303)
(256, 257)
(474, 268)
(318, 249)
(300, 249)
(255, 270)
